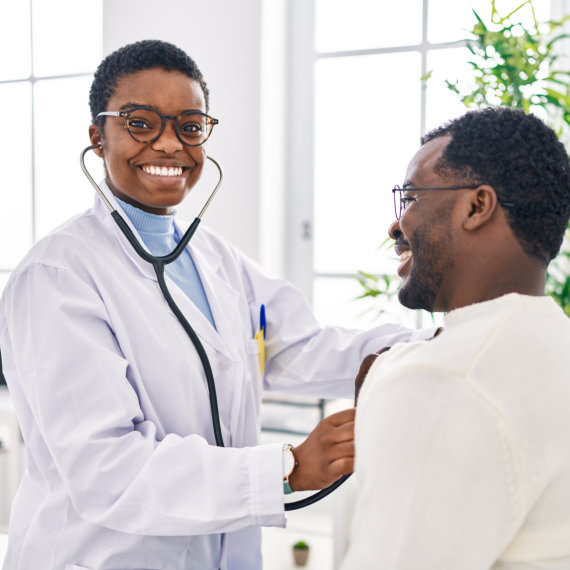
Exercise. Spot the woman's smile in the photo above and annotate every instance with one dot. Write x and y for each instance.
(161, 174)
(169, 171)
(155, 175)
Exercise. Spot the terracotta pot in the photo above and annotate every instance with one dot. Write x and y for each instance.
(300, 555)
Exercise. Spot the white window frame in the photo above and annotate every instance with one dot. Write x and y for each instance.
(299, 261)
(31, 80)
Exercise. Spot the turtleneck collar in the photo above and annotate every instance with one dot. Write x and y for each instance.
(147, 223)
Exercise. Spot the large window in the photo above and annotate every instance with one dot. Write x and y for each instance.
(360, 108)
(50, 50)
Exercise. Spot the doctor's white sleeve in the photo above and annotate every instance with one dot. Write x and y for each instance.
(303, 357)
(87, 435)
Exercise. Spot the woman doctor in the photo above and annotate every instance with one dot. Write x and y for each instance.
(122, 468)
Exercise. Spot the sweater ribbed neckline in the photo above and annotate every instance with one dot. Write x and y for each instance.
(457, 316)
(145, 222)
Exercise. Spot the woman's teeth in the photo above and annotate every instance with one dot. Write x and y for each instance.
(405, 255)
(163, 170)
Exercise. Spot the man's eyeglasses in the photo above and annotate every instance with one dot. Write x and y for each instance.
(146, 124)
(402, 201)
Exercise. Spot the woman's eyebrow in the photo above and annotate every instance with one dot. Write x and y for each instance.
(132, 104)
(128, 105)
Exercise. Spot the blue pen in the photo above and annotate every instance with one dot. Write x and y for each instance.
(262, 320)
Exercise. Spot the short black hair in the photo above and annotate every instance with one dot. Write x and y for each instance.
(523, 160)
(138, 56)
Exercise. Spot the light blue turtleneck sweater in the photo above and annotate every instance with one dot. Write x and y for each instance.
(160, 236)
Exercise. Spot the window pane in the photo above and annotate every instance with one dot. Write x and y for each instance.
(16, 151)
(441, 103)
(364, 24)
(15, 62)
(335, 302)
(442, 12)
(67, 36)
(61, 132)
(366, 131)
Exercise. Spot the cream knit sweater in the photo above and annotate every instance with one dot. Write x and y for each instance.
(463, 445)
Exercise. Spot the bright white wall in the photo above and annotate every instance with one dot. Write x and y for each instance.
(225, 38)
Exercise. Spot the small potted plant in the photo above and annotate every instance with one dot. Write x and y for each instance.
(300, 553)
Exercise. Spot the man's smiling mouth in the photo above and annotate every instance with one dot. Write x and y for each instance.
(404, 252)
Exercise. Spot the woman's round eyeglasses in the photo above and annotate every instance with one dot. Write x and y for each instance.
(146, 124)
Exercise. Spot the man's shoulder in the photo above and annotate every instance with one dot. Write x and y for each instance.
(507, 333)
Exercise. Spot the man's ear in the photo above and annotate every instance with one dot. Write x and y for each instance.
(96, 140)
(482, 203)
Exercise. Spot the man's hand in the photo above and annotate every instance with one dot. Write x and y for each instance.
(326, 455)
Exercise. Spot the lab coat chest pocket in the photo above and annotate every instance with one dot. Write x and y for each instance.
(254, 366)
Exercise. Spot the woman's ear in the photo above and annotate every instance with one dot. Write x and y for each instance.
(482, 205)
(96, 140)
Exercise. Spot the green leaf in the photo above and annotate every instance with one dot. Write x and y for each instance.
(556, 39)
(479, 19)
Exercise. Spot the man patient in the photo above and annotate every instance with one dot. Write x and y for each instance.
(463, 441)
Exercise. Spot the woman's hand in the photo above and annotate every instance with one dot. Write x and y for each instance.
(326, 455)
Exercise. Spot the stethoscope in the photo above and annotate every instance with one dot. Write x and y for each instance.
(159, 263)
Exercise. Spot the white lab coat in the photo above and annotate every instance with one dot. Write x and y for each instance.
(122, 469)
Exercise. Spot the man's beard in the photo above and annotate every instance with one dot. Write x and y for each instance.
(430, 264)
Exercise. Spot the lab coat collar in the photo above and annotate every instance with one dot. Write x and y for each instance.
(222, 297)
(102, 212)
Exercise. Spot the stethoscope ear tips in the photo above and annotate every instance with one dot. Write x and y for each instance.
(100, 145)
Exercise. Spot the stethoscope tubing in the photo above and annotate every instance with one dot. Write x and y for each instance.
(159, 263)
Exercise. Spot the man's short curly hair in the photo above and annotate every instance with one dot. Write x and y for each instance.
(526, 164)
(138, 56)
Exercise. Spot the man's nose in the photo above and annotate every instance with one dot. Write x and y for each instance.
(394, 230)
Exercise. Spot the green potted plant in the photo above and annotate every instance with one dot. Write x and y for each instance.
(300, 553)
(517, 66)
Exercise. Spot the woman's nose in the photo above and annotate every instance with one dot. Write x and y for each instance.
(168, 141)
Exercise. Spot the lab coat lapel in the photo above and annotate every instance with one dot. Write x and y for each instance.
(222, 297)
(195, 317)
